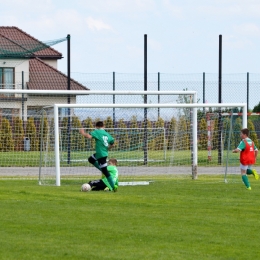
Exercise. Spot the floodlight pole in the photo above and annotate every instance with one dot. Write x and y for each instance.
(159, 95)
(68, 77)
(145, 101)
(23, 101)
(220, 101)
(247, 90)
(114, 99)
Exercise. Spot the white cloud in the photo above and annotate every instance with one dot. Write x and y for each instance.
(175, 9)
(233, 42)
(97, 25)
(248, 29)
(28, 6)
(118, 6)
(134, 52)
(229, 9)
(155, 45)
(242, 37)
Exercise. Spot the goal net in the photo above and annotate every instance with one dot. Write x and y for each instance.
(182, 139)
(130, 139)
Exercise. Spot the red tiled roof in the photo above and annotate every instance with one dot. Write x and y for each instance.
(15, 40)
(44, 77)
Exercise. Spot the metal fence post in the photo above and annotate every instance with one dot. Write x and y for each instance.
(204, 101)
(247, 91)
(158, 95)
(114, 99)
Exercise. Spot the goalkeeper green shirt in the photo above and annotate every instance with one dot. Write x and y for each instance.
(114, 173)
(103, 140)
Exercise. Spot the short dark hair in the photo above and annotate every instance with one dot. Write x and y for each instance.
(99, 124)
(113, 160)
(245, 131)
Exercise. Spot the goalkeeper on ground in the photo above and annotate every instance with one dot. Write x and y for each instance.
(103, 184)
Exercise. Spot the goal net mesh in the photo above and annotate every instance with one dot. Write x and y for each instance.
(150, 143)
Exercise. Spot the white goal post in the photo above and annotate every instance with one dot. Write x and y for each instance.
(194, 106)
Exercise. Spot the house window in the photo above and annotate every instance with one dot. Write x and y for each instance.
(7, 79)
(34, 111)
(9, 113)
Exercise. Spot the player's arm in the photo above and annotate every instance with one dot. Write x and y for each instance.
(110, 146)
(81, 131)
(240, 147)
(256, 153)
(111, 143)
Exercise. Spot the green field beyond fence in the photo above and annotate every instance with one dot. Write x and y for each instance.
(32, 158)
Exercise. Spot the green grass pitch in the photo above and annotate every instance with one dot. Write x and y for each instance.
(168, 219)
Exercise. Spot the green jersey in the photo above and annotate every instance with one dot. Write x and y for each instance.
(103, 140)
(114, 173)
(242, 144)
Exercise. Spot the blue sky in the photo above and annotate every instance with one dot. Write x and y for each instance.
(108, 35)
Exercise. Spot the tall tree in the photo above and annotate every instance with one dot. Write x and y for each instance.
(215, 134)
(159, 134)
(77, 140)
(18, 133)
(148, 133)
(237, 129)
(228, 135)
(172, 133)
(6, 139)
(252, 132)
(203, 136)
(109, 125)
(135, 134)
(183, 139)
(32, 134)
(88, 125)
(123, 138)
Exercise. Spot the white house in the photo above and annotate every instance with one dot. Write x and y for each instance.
(27, 63)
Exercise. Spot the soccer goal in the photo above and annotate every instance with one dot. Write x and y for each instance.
(148, 146)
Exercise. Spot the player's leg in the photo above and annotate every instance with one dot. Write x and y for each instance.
(244, 176)
(103, 166)
(92, 159)
(97, 185)
(253, 172)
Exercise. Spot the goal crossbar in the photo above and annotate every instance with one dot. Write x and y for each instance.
(92, 92)
(168, 105)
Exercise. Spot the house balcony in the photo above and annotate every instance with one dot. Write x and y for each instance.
(10, 97)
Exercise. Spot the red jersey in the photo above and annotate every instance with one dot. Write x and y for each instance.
(247, 156)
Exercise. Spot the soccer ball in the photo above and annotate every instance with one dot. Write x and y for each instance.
(85, 187)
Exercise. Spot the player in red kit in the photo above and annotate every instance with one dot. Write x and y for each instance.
(248, 153)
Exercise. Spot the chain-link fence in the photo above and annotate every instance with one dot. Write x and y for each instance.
(241, 87)
(237, 88)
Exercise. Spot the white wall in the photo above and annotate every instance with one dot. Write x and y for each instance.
(52, 63)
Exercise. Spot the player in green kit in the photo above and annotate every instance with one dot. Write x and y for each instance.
(103, 184)
(103, 142)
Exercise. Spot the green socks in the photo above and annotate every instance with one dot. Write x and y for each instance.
(249, 172)
(96, 165)
(245, 180)
(111, 182)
